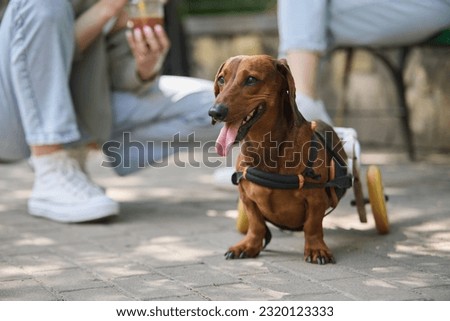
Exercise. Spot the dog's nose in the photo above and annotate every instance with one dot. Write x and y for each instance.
(218, 112)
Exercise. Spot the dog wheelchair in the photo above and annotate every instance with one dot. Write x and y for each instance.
(376, 199)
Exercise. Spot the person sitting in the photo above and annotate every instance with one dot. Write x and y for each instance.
(309, 28)
(71, 74)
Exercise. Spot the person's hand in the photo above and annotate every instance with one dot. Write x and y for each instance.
(149, 47)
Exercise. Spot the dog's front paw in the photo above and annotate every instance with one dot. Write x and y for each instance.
(242, 251)
(320, 255)
(229, 255)
(320, 259)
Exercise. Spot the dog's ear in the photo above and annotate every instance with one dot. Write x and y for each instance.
(285, 71)
(216, 87)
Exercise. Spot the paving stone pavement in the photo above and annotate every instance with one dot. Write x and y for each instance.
(175, 225)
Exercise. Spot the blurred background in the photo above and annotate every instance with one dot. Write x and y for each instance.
(210, 31)
(204, 33)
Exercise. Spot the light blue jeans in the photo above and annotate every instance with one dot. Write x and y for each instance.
(319, 25)
(35, 62)
(49, 96)
(148, 127)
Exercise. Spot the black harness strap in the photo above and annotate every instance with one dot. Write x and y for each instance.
(330, 148)
(266, 179)
(313, 151)
(280, 181)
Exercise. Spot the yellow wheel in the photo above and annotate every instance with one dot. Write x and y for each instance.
(377, 199)
(242, 220)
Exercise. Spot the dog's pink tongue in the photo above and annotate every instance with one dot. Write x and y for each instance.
(226, 138)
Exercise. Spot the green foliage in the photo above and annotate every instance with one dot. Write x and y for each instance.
(443, 38)
(208, 7)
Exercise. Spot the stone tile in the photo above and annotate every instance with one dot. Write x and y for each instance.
(41, 261)
(175, 227)
(152, 287)
(191, 297)
(240, 268)
(10, 272)
(438, 292)
(96, 294)
(69, 279)
(335, 296)
(361, 260)
(157, 254)
(407, 277)
(83, 251)
(198, 275)
(239, 292)
(110, 268)
(366, 288)
(316, 272)
(286, 282)
(428, 264)
(25, 290)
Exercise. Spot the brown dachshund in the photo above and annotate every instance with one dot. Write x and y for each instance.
(283, 170)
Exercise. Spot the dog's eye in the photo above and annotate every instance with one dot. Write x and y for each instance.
(221, 81)
(250, 81)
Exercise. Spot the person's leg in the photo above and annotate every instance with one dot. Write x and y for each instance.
(37, 46)
(30, 87)
(386, 23)
(302, 25)
(174, 107)
(42, 49)
(309, 28)
(376, 23)
(91, 93)
(303, 38)
(13, 146)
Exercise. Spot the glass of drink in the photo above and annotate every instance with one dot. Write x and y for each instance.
(145, 13)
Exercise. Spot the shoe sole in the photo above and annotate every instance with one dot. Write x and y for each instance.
(68, 213)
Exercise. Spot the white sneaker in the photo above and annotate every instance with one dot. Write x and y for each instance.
(312, 109)
(349, 139)
(80, 154)
(63, 193)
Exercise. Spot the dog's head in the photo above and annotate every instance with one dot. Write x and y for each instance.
(253, 93)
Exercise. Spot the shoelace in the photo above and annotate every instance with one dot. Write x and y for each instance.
(73, 180)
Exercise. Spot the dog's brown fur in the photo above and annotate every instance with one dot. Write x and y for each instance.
(301, 209)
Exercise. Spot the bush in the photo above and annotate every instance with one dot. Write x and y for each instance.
(203, 7)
